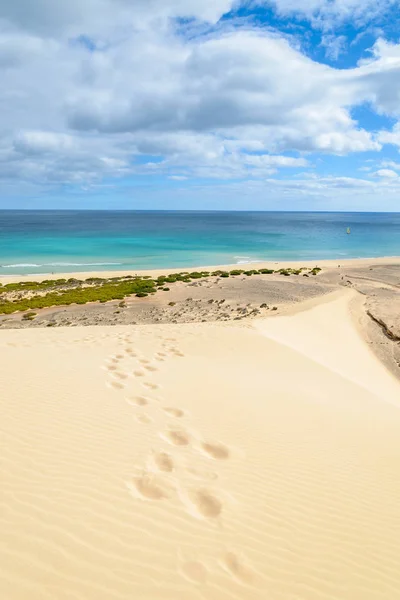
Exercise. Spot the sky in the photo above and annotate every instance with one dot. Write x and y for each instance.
(200, 104)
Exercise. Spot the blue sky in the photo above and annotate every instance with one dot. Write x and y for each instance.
(190, 104)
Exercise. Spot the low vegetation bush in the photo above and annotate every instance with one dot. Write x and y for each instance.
(29, 316)
(21, 296)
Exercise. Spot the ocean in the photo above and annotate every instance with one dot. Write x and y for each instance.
(68, 241)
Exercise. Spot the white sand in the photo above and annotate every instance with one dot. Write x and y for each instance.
(200, 461)
(331, 263)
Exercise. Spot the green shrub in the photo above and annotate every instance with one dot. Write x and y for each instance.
(29, 315)
(266, 271)
(251, 272)
(237, 272)
(141, 294)
(166, 289)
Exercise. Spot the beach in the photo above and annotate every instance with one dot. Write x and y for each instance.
(237, 298)
(247, 459)
(200, 300)
(329, 264)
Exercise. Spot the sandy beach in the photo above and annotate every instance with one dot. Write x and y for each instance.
(246, 459)
(326, 264)
(240, 298)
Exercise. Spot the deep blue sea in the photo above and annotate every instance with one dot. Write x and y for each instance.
(67, 241)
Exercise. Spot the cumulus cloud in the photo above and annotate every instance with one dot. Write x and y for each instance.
(100, 88)
(241, 83)
(386, 173)
(391, 137)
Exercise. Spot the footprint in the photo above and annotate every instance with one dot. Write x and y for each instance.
(176, 437)
(215, 450)
(150, 487)
(237, 567)
(159, 358)
(112, 368)
(138, 401)
(151, 386)
(150, 368)
(120, 375)
(139, 373)
(194, 571)
(144, 361)
(174, 412)
(205, 503)
(202, 474)
(117, 385)
(144, 418)
(164, 462)
(119, 356)
(161, 354)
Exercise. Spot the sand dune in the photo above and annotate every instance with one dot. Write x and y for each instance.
(200, 461)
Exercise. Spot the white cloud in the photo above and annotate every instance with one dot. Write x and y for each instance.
(317, 193)
(334, 45)
(329, 13)
(42, 142)
(386, 173)
(391, 137)
(390, 164)
(231, 105)
(242, 84)
(61, 17)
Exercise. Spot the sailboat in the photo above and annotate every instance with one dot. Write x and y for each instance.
(348, 230)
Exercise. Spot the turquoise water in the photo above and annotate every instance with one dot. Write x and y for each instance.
(68, 241)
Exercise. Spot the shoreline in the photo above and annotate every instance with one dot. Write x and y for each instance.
(236, 298)
(327, 263)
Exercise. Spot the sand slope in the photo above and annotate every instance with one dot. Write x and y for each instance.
(199, 461)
